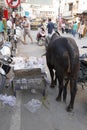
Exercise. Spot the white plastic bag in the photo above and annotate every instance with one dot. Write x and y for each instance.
(33, 105)
(10, 100)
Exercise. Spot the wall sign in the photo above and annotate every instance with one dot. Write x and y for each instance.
(13, 3)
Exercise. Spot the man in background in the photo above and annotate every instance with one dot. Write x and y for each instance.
(26, 27)
(50, 26)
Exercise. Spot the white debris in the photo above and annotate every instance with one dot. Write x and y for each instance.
(10, 100)
(33, 105)
(28, 62)
(33, 91)
(83, 52)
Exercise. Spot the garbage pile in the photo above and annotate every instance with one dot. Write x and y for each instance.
(9, 100)
(28, 62)
(83, 52)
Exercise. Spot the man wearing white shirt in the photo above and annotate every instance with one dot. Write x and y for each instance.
(14, 18)
(26, 27)
(9, 24)
(9, 27)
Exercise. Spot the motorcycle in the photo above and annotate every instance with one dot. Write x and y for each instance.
(14, 35)
(7, 51)
(17, 34)
(1, 39)
(41, 37)
(82, 76)
(5, 61)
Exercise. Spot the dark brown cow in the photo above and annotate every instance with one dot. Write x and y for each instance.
(63, 56)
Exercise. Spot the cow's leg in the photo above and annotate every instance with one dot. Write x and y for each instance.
(60, 79)
(73, 90)
(52, 76)
(65, 90)
(55, 80)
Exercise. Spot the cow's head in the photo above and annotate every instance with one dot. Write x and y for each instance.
(52, 37)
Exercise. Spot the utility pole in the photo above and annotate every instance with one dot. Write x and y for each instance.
(59, 8)
(59, 14)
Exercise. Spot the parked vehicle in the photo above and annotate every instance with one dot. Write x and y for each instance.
(17, 35)
(82, 78)
(41, 36)
(13, 37)
(35, 23)
(5, 60)
(2, 38)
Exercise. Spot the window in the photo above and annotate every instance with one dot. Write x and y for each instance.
(70, 6)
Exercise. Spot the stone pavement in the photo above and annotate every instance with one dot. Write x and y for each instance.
(52, 115)
(80, 42)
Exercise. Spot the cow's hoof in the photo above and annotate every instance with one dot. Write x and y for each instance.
(52, 86)
(69, 109)
(58, 99)
(55, 83)
(64, 101)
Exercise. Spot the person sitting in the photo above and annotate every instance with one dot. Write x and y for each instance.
(41, 33)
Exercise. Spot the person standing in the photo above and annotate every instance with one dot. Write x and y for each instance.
(50, 26)
(14, 16)
(81, 30)
(5, 26)
(63, 27)
(1, 26)
(74, 29)
(50, 30)
(56, 25)
(67, 27)
(5, 13)
(1, 30)
(9, 28)
(26, 27)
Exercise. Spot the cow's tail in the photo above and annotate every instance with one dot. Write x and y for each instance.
(73, 55)
(71, 58)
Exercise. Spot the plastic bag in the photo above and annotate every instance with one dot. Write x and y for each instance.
(33, 105)
(10, 100)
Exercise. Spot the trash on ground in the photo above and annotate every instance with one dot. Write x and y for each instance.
(33, 105)
(45, 102)
(28, 62)
(33, 91)
(83, 52)
(10, 100)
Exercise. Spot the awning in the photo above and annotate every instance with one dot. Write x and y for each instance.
(82, 12)
(68, 17)
(85, 12)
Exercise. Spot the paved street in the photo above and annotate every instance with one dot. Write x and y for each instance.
(52, 115)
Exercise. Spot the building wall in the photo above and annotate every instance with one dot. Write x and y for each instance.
(2, 2)
(82, 5)
(41, 10)
(41, 2)
(66, 8)
(78, 7)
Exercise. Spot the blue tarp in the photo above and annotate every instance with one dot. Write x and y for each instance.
(26, 13)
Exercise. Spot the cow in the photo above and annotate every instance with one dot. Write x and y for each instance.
(62, 58)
